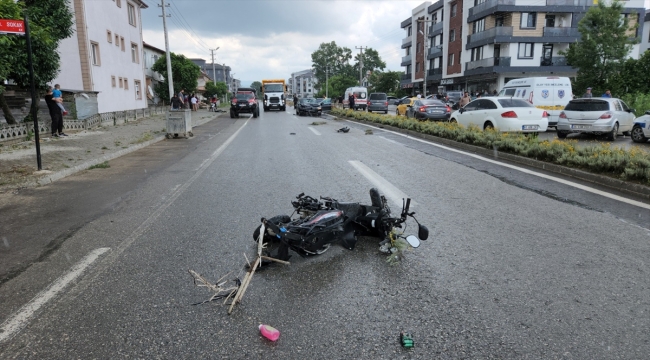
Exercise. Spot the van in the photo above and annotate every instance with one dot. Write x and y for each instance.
(378, 102)
(360, 97)
(550, 93)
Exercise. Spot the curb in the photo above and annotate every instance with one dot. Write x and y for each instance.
(637, 190)
(81, 167)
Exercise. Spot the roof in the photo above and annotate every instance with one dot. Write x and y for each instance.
(144, 44)
(142, 4)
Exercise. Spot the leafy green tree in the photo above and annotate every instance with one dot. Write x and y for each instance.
(219, 89)
(634, 77)
(185, 75)
(371, 61)
(332, 57)
(257, 86)
(338, 84)
(50, 21)
(388, 82)
(605, 43)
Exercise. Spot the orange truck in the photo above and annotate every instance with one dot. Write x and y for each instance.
(275, 94)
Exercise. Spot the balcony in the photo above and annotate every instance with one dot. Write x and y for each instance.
(435, 29)
(435, 52)
(554, 61)
(406, 77)
(434, 74)
(488, 62)
(561, 32)
(488, 36)
(489, 4)
(406, 40)
(406, 60)
(569, 2)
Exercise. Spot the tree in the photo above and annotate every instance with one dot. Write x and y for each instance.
(634, 77)
(371, 61)
(50, 22)
(604, 45)
(388, 82)
(185, 75)
(333, 58)
(219, 89)
(257, 86)
(338, 84)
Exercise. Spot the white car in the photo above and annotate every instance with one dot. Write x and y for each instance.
(503, 113)
(641, 128)
(598, 116)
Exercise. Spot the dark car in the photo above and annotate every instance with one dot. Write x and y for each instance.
(399, 101)
(245, 101)
(326, 104)
(429, 109)
(378, 102)
(307, 106)
(392, 100)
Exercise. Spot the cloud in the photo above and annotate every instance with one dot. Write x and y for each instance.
(272, 39)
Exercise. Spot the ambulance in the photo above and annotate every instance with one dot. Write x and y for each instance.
(550, 93)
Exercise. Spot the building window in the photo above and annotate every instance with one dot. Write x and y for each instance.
(528, 20)
(409, 31)
(453, 10)
(121, 83)
(134, 53)
(452, 35)
(479, 26)
(113, 84)
(138, 93)
(126, 84)
(117, 40)
(450, 61)
(118, 3)
(408, 69)
(122, 43)
(408, 51)
(526, 50)
(131, 10)
(477, 53)
(499, 21)
(109, 36)
(94, 53)
(434, 18)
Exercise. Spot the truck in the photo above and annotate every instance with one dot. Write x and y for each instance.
(275, 94)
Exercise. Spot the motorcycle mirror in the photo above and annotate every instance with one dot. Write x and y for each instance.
(413, 241)
(423, 232)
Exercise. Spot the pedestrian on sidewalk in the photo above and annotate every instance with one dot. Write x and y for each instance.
(194, 100)
(588, 94)
(177, 104)
(55, 113)
(56, 93)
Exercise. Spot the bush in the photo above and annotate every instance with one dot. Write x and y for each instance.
(639, 102)
(632, 164)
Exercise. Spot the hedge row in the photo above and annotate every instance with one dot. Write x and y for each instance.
(627, 164)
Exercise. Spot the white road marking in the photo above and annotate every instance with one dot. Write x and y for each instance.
(549, 177)
(389, 190)
(314, 130)
(22, 317)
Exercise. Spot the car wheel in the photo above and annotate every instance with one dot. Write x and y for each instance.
(637, 134)
(562, 134)
(232, 114)
(611, 136)
(453, 121)
(256, 113)
(488, 126)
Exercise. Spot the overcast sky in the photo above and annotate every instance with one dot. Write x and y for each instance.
(262, 39)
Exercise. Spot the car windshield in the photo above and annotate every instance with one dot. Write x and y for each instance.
(514, 103)
(587, 105)
(273, 88)
(244, 96)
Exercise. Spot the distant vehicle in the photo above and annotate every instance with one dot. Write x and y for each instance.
(399, 101)
(378, 102)
(598, 116)
(505, 114)
(275, 94)
(550, 93)
(641, 128)
(403, 105)
(428, 109)
(244, 101)
(326, 104)
(360, 97)
(308, 106)
(391, 100)
(454, 96)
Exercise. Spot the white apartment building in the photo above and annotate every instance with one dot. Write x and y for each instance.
(302, 83)
(105, 52)
(151, 54)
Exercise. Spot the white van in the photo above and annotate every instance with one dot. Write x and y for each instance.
(550, 93)
(360, 97)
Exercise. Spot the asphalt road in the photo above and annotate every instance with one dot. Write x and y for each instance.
(517, 266)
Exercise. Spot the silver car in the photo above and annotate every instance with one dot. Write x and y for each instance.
(598, 116)
(378, 102)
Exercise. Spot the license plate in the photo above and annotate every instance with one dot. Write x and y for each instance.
(242, 104)
(435, 111)
(529, 127)
(579, 127)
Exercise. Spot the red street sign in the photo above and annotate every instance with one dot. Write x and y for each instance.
(8, 26)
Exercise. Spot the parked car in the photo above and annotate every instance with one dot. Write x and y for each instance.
(454, 96)
(403, 106)
(400, 100)
(598, 116)
(429, 109)
(326, 104)
(641, 128)
(378, 102)
(308, 106)
(391, 100)
(245, 101)
(504, 114)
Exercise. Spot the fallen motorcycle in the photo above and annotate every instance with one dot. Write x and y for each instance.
(322, 222)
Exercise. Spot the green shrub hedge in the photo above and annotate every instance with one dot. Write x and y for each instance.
(632, 164)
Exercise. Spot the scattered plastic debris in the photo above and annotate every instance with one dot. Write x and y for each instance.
(269, 332)
(343, 129)
(318, 123)
(368, 131)
(406, 339)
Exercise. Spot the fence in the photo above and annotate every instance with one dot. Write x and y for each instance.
(19, 131)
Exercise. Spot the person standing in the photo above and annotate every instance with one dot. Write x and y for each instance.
(295, 100)
(351, 100)
(181, 96)
(607, 94)
(419, 96)
(464, 100)
(588, 94)
(56, 93)
(177, 104)
(55, 113)
(193, 100)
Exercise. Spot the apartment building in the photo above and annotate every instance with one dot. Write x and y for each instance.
(479, 45)
(104, 54)
(221, 71)
(302, 83)
(151, 54)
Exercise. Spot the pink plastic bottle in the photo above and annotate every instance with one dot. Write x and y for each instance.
(269, 332)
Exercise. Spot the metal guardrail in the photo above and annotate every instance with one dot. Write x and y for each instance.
(435, 51)
(435, 27)
(433, 72)
(490, 33)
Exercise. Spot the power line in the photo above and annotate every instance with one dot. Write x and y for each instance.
(188, 25)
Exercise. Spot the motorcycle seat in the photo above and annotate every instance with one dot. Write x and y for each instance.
(350, 209)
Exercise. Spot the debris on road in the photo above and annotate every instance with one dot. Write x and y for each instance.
(269, 332)
(318, 123)
(343, 129)
(218, 288)
(368, 131)
(406, 339)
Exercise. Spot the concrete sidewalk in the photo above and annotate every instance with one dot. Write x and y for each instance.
(80, 150)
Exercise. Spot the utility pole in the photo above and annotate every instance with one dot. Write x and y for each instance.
(327, 68)
(214, 73)
(361, 48)
(426, 43)
(225, 80)
(170, 80)
(32, 86)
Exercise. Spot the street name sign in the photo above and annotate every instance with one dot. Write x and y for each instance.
(8, 26)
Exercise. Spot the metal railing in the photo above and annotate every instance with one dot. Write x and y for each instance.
(489, 4)
(433, 72)
(435, 51)
(490, 33)
(406, 76)
(487, 62)
(554, 61)
(406, 58)
(561, 31)
(406, 40)
(435, 27)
